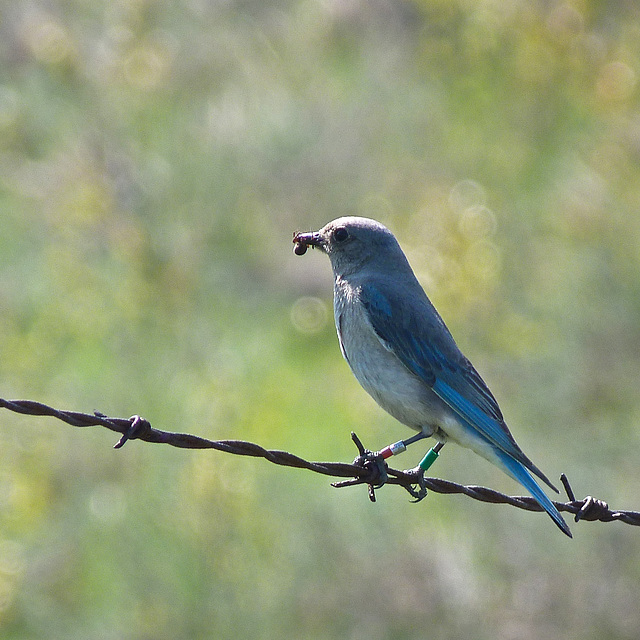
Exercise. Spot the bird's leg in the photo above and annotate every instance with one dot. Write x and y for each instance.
(375, 463)
(400, 446)
(375, 460)
(417, 473)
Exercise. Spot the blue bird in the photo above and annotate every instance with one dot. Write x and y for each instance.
(403, 355)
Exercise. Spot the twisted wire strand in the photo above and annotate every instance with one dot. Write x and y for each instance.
(137, 428)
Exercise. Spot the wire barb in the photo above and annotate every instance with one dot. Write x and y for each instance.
(375, 465)
(368, 468)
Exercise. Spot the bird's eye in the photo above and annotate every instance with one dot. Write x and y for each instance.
(340, 234)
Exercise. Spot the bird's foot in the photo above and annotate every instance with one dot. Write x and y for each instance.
(417, 487)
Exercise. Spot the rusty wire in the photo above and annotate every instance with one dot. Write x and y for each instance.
(367, 471)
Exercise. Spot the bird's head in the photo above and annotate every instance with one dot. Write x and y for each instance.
(352, 244)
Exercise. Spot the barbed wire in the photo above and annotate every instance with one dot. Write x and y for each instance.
(366, 469)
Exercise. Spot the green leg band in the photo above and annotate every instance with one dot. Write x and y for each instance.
(429, 459)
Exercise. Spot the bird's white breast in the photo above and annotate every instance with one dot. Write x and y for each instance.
(379, 371)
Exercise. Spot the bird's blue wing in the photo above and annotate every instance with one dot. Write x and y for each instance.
(408, 325)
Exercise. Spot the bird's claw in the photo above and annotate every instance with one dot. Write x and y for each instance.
(418, 488)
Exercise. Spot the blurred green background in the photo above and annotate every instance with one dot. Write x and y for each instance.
(155, 159)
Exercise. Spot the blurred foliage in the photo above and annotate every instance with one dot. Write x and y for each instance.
(155, 158)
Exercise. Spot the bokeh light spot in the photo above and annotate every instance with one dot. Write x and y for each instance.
(616, 81)
(48, 41)
(107, 503)
(309, 315)
(478, 222)
(465, 194)
(146, 67)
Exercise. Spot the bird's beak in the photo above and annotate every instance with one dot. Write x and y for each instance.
(304, 240)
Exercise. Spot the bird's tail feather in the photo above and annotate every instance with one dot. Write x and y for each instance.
(520, 474)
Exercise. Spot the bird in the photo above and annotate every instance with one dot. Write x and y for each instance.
(404, 356)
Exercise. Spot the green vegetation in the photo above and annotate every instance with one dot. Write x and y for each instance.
(155, 159)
